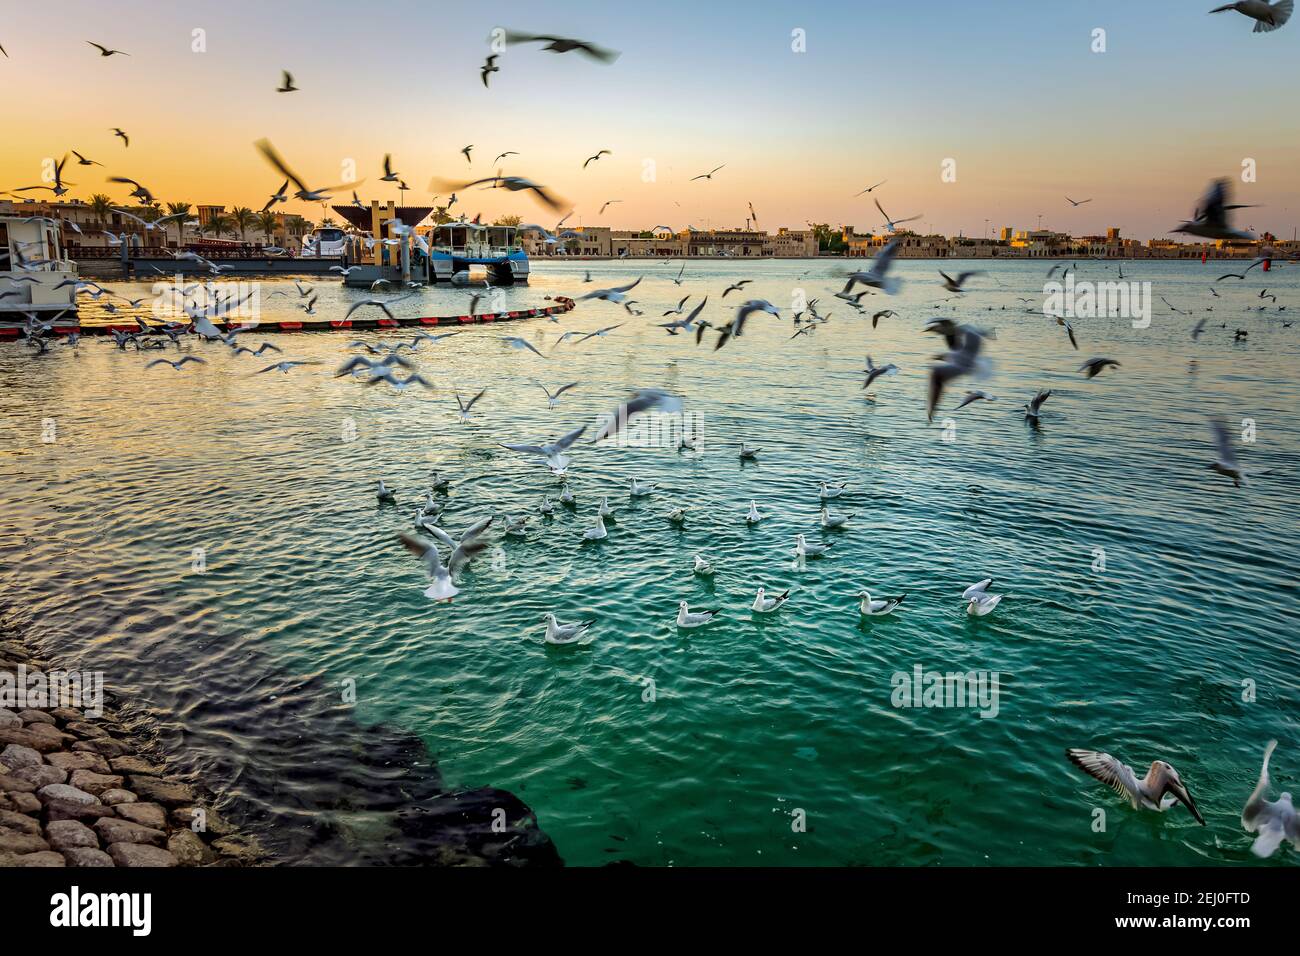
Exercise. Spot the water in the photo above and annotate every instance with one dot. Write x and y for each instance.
(752, 720)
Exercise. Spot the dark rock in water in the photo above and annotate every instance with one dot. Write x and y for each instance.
(482, 827)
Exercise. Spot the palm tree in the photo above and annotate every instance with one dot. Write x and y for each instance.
(267, 223)
(179, 209)
(218, 224)
(243, 219)
(102, 207)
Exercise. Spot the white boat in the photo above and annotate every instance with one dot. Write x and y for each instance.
(34, 270)
(324, 242)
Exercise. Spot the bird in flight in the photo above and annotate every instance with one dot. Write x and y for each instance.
(286, 83)
(608, 202)
(1078, 202)
(126, 140)
(466, 150)
(83, 161)
(592, 159)
(1267, 16)
(892, 224)
(105, 51)
(709, 174)
(489, 66)
(869, 188)
(564, 45)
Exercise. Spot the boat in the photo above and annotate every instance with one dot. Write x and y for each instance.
(36, 277)
(324, 242)
(388, 244)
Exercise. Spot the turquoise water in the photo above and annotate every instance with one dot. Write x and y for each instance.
(752, 719)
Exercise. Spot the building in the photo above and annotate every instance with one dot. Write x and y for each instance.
(794, 244)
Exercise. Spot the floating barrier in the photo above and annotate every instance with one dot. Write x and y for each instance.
(561, 306)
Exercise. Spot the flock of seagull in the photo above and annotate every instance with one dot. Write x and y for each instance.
(964, 357)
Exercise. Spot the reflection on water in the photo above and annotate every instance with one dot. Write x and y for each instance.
(304, 589)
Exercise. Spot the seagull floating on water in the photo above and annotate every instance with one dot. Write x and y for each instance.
(872, 608)
(557, 633)
(689, 620)
(978, 601)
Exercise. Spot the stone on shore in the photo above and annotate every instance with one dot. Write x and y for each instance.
(85, 760)
(86, 856)
(41, 775)
(113, 830)
(135, 854)
(16, 841)
(160, 789)
(146, 814)
(188, 849)
(114, 797)
(15, 756)
(67, 834)
(95, 783)
(66, 792)
(43, 858)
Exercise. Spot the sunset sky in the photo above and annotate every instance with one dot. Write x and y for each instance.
(1010, 89)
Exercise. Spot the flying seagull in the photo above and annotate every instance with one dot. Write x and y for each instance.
(592, 159)
(441, 587)
(875, 277)
(554, 451)
(708, 175)
(643, 400)
(954, 285)
(1267, 16)
(1035, 404)
(304, 193)
(1210, 218)
(512, 183)
(962, 358)
(1273, 820)
(105, 51)
(564, 45)
(1226, 464)
(870, 188)
(1076, 202)
(126, 141)
(489, 66)
(286, 83)
(1158, 790)
(1093, 367)
(744, 311)
(892, 224)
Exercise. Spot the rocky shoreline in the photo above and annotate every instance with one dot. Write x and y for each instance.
(81, 790)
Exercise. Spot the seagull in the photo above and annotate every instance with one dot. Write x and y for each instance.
(870, 188)
(286, 83)
(975, 397)
(978, 601)
(1210, 219)
(546, 508)
(882, 314)
(604, 509)
(1273, 820)
(827, 490)
(677, 310)
(874, 372)
(766, 605)
(305, 193)
(1093, 367)
(702, 567)
(284, 367)
(378, 304)
(83, 161)
(592, 159)
(511, 183)
(441, 587)
(557, 633)
(644, 400)
(954, 285)
(466, 406)
(743, 312)
(617, 295)
(1078, 202)
(1069, 330)
(1226, 464)
(553, 397)
(401, 384)
(383, 494)
(389, 176)
(179, 363)
(517, 342)
(680, 272)
(1158, 790)
(962, 358)
(105, 51)
(736, 286)
(1036, 403)
(640, 489)
(489, 66)
(754, 516)
(564, 45)
(708, 175)
(678, 515)
(688, 619)
(465, 151)
(606, 205)
(875, 277)
(552, 452)
(598, 533)
(747, 453)
(872, 608)
(374, 365)
(892, 224)
(805, 550)
(830, 520)
(1267, 16)
(126, 140)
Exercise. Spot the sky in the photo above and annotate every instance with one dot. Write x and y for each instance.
(1011, 90)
